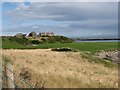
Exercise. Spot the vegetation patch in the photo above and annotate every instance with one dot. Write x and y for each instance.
(64, 49)
(90, 57)
(35, 42)
(6, 59)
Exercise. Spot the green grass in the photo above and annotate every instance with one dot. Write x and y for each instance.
(8, 44)
(21, 43)
(84, 46)
(15, 43)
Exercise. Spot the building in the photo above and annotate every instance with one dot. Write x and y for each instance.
(46, 34)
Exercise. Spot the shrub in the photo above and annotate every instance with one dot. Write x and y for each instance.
(54, 39)
(66, 49)
(19, 40)
(35, 42)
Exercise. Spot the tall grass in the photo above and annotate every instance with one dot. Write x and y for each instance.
(63, 69)
(6, 59)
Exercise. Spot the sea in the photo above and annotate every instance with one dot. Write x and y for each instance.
(98, 41)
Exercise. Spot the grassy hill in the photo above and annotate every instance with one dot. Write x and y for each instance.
(10, 42)
(26, 42)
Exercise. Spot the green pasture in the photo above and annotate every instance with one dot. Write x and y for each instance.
(82, 46)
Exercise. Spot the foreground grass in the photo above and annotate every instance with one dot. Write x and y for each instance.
(63, 69)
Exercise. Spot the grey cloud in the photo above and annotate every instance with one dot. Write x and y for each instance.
(63, 30)
(81, 18)
(97, 23)
(67, 11)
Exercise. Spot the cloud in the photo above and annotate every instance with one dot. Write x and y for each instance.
(99, 33)
(74, 19)
(22, 6)
(66, 11)
(34, 27)
(96, 23)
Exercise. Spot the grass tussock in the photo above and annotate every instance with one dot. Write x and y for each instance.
(6, 59)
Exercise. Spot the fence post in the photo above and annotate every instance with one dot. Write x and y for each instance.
(10, 81)
(0, 68)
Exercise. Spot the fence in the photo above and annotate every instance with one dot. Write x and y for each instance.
(11, 80)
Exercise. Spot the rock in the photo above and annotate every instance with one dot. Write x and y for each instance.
(111, 55)
(107, 56)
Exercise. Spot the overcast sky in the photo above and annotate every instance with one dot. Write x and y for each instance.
(78, 19)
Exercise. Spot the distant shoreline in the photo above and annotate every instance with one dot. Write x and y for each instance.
(96, 39)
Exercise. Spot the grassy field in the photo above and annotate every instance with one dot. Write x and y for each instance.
(86, 46)
(7, 44)
(61, 69)
(75, 69)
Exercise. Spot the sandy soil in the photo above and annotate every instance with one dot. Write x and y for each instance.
(61, 69)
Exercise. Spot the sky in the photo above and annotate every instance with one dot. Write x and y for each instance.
(72, 19)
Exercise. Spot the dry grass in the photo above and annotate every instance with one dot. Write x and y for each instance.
(62, 69)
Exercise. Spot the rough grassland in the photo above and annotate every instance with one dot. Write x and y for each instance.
(63, 69)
